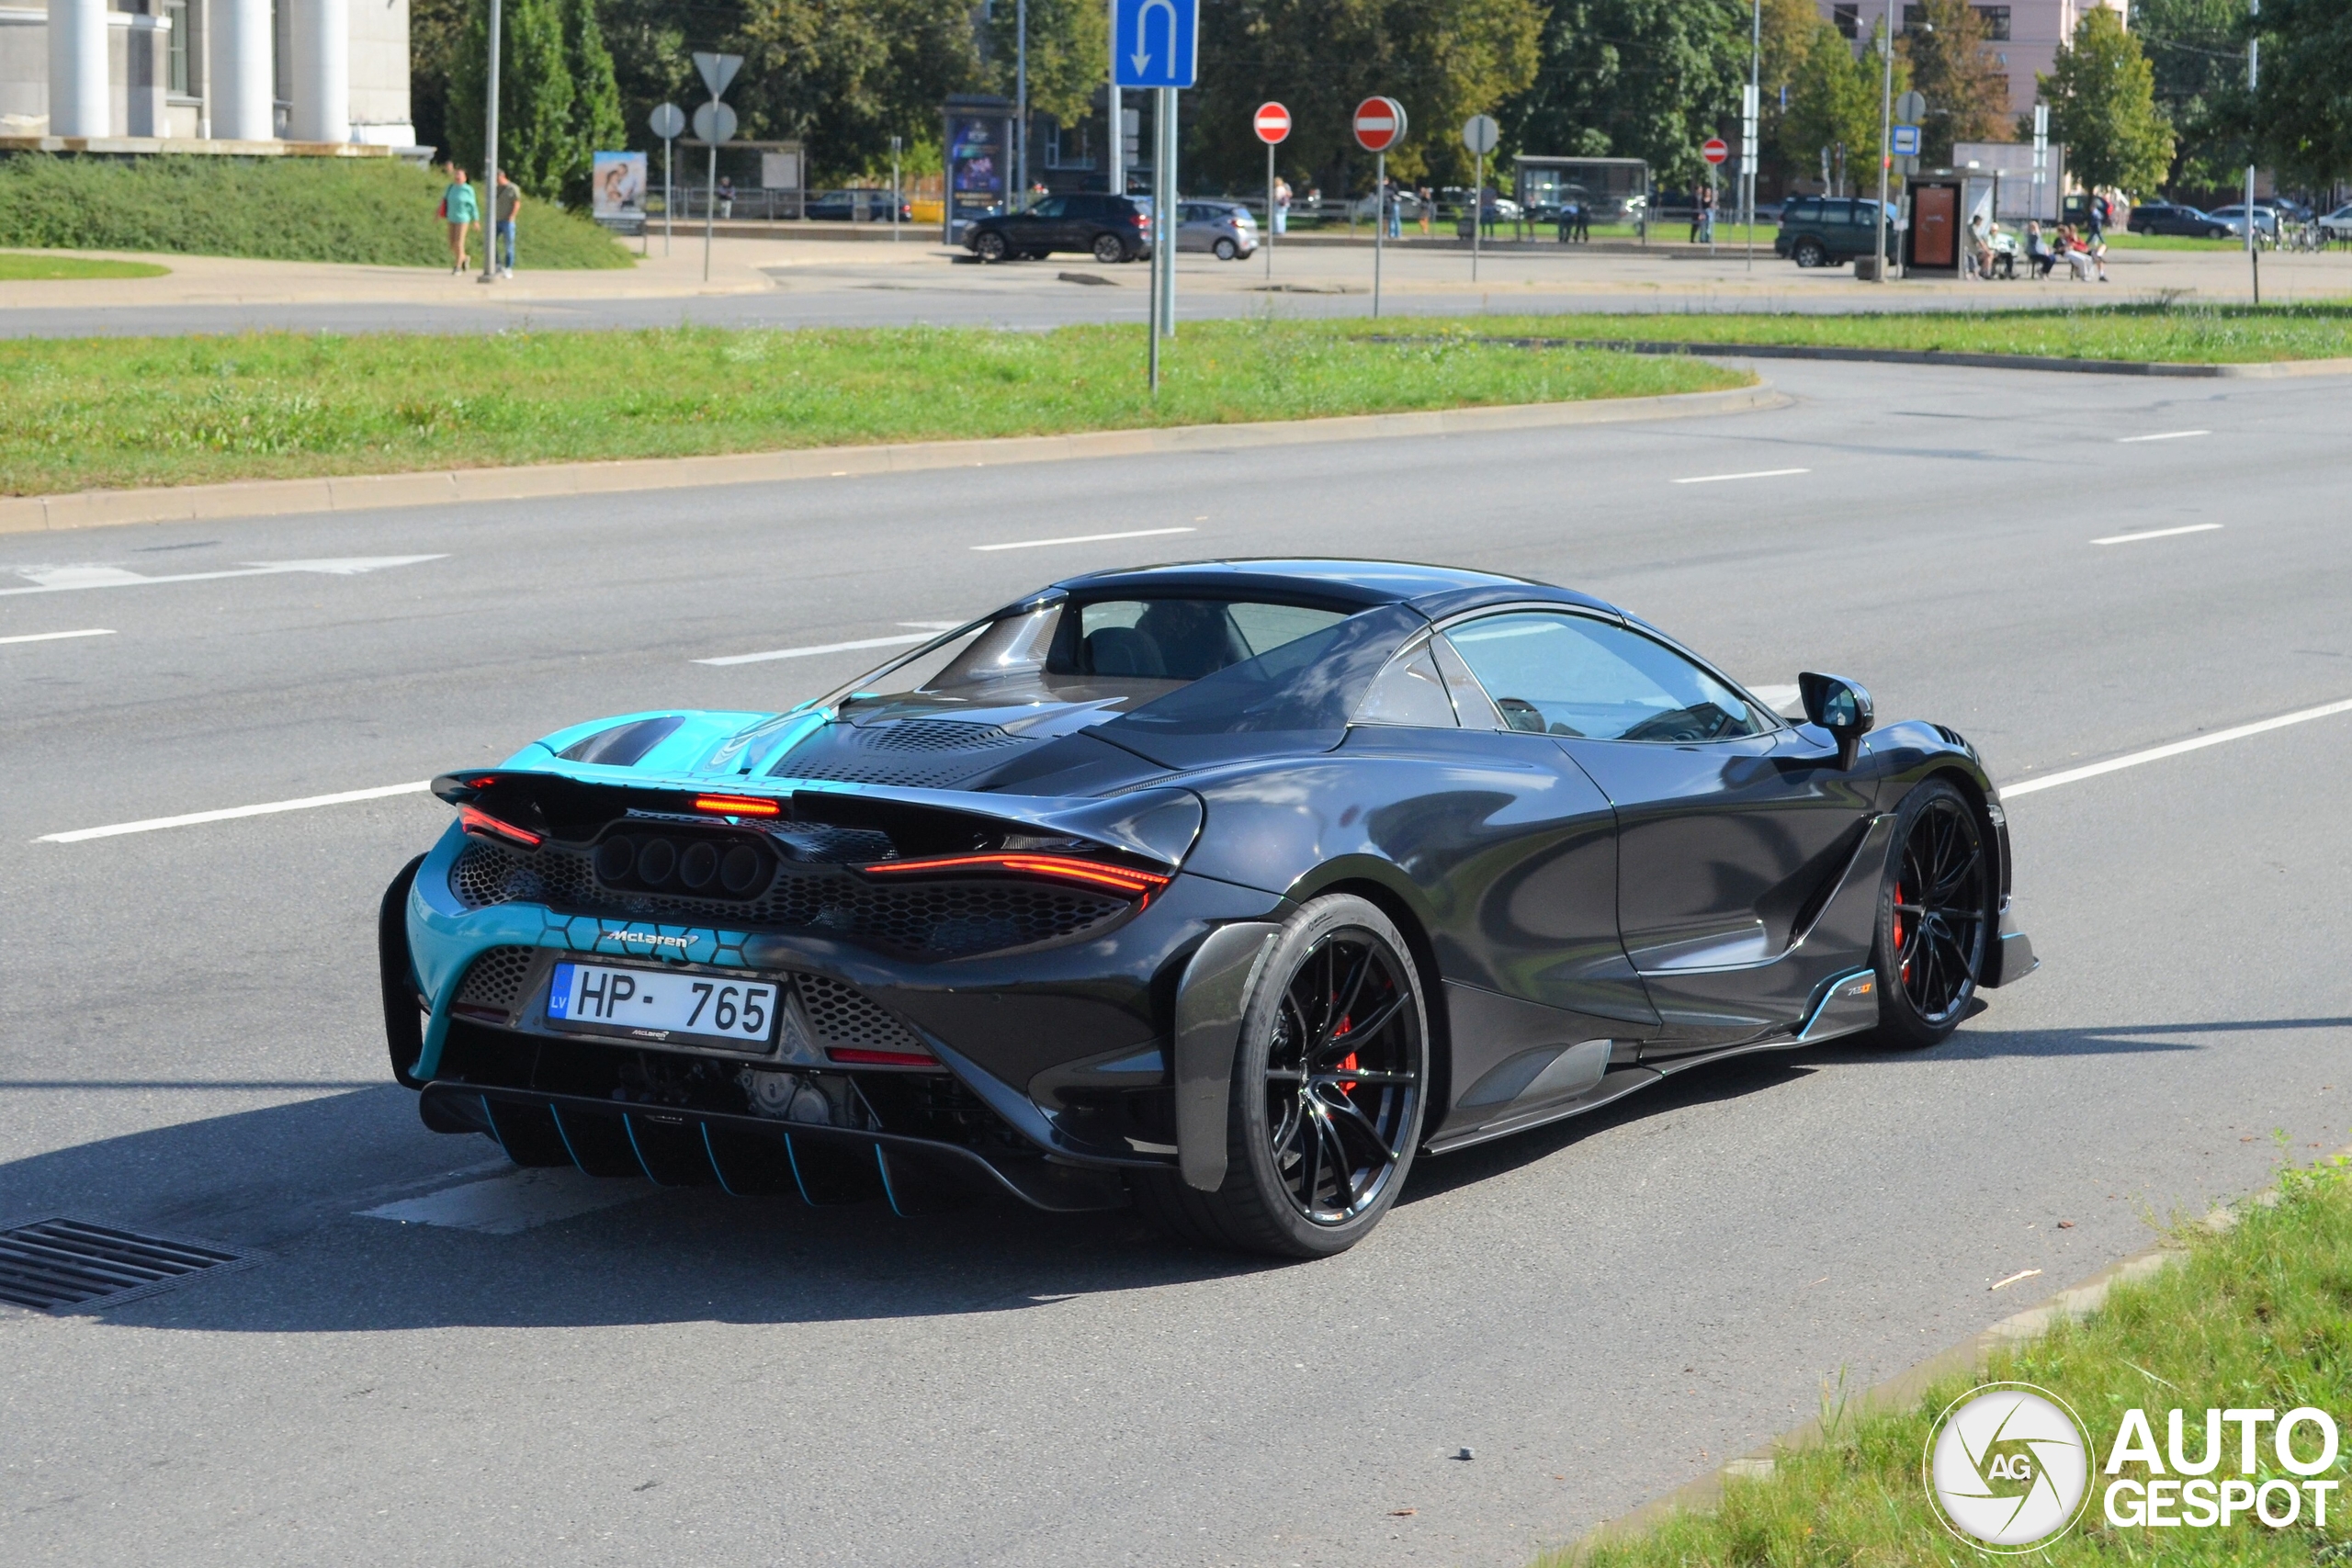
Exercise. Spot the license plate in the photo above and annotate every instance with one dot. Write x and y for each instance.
(664, 1005)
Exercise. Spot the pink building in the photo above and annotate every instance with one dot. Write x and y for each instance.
(2025, 34)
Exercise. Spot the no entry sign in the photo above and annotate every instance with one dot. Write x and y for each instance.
(1714, 150)
(1379, 124)
(1271, 123)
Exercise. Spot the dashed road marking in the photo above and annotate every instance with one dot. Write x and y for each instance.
(2156, 753)
(1758, 474)
(2157, 533)
(2160, 435)
(230, 813)
(55, 636)
(1081, 539)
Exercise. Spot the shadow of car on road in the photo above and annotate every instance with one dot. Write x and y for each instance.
(291, 1180)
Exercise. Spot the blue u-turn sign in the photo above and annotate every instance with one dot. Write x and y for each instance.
(1155, 43)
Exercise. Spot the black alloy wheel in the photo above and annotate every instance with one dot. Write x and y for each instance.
(1935, 919)
(990, 246)
(1110, 248)
(1810, 253)
(1328, 1091)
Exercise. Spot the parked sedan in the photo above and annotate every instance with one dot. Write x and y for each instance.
(854, 205)
(2165, 218)
(2266, 219)
(1108, 228)
(2337, 225)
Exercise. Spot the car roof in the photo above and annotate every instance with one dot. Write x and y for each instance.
(1435, 591)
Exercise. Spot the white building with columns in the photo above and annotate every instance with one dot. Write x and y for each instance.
(205, 70)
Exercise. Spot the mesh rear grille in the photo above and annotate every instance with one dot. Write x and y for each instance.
(923, 753)
(55, 1263)
(934, 735)
(841, 1015)
(929, 919)
(497, 979)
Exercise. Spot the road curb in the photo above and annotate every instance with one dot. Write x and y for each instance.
(2268, 371)
(2069, 1306)
(367, 492)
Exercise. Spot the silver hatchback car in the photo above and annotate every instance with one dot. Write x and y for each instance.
(1225, 230)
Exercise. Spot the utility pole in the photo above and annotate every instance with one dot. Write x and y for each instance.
(1749, 112)
(488, 201)
(2253, 83)
(894, 190)
(1021, 102)
(1885, 136)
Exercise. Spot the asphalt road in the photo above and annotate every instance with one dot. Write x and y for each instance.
(189, 1041)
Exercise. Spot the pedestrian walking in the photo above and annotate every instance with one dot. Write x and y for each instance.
(503, 206)
(1583, 234)
(460, 211)
(1281, 205)
(2100, 214)
(1392, 200)
(726, 196)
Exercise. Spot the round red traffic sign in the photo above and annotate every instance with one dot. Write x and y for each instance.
(1379, 124)
(1714, 150)
(1273, 123)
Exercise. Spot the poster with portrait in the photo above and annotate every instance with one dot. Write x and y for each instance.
(616, 187)
(977, 168)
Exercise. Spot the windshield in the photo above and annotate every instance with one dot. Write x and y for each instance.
(1117, 652)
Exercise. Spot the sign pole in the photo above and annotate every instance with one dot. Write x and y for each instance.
(2253, 85)
(1163, 256)
(668, 201)
(894, 190)
(1477, 213)
(1713, 192)
(1885, 136)
(490, 161)
(1379, 222)
(1270, 212)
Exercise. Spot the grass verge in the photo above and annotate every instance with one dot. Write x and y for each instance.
(16, 266)
(114, 413)
(2258, 1315)
(2142, 333)
(375, 210)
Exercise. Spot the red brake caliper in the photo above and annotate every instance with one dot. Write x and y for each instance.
(1349, 1060)
(1905, 971)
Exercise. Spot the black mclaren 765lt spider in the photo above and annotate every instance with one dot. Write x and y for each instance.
(1226, 891)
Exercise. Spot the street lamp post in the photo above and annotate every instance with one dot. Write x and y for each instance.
(1885, 136)
(1754, 109)
(2252, 83)
(1021, 100)
(488, 202)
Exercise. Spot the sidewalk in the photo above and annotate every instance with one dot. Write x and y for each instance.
(1534, 276)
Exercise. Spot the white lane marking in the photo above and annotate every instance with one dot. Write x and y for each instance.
(2166, 435)
(812, 652)
(1758, 474)
(52, 637)
(2156, 533)
(67, 579)
(936, 626)
(1780, 699)
(1081, 539)
(228, 813)
(506, 1204)
(2156, 754)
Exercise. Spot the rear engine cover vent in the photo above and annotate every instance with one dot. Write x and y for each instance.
(69, 1265)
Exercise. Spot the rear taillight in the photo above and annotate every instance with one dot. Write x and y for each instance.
(1053, 868)
(481, 824)
(738, 806)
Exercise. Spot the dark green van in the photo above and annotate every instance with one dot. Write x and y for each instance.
(1828, 230)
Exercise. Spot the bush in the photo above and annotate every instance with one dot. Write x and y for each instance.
(376, 210)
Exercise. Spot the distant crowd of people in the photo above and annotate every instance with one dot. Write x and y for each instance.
(1991, 252)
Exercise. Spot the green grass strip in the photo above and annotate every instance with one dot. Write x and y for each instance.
(91, 414)
(375, 210)
(16, 266)
(2160, 333)
(2258, 1315)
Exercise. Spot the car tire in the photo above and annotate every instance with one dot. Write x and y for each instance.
(1110, 249)
(1272, 1200)
(990, 246)
(1226, 250)
(1809, 253)
(1936, 918)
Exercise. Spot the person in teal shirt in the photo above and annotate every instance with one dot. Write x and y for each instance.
(460, 211)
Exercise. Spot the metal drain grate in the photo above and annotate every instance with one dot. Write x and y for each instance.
(54, 1265)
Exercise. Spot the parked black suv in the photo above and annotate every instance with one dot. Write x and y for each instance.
(1830, 230)
(2167, 218)
(1109, 228)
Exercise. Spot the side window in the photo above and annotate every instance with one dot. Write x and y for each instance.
(1802, 213)
(1574, 675)
(1409, 691)
(1052, 207)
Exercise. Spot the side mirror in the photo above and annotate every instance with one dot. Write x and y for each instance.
(1840, 707)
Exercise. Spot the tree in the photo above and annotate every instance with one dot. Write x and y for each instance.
(1636, 79)
(596, 124)
(537, 145)
(2198, 50)
(1069, 43)
(1443, 60)
(1836, 101)
(844, 76)
(1967, 90)
(2302, 114)
(2103, 106)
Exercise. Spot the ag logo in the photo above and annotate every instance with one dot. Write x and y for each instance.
(2007, 1467)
